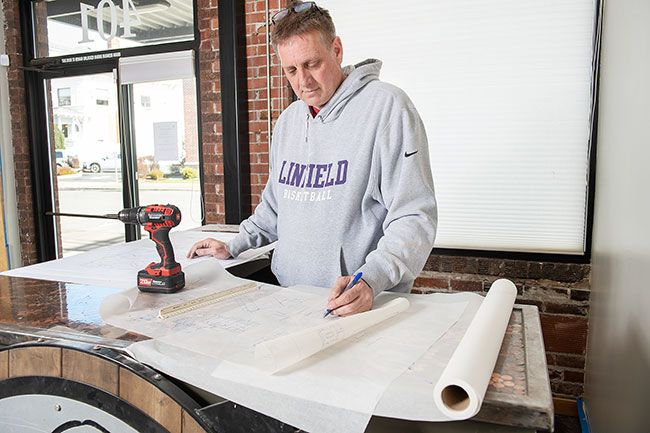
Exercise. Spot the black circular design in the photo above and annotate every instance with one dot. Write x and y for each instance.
(72, 424)
(97, 398)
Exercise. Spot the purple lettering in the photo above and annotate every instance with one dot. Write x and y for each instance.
(320, 168)
(282, 179)
(313, 175)
(342, 172)
(330, 180)
(297, 174)
(309, 178)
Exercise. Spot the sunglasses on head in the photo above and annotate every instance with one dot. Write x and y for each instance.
(296, 9)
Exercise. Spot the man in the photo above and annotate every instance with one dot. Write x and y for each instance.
(350, 188)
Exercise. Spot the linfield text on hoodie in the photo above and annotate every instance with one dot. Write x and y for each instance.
(350, 189)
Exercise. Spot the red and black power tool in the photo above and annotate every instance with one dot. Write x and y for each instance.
(165, 276)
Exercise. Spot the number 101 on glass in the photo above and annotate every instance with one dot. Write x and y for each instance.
(107, 11)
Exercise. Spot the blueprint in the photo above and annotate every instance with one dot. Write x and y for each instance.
(396, 368)
(118, 265)
(347, 378)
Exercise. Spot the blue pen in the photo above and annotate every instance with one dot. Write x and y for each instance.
(354, 281)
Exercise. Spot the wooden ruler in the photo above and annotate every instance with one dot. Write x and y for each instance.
(193, 304)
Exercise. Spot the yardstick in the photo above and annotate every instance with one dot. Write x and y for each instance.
(202, 301)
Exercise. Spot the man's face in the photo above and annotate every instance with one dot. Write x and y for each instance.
(312, 66)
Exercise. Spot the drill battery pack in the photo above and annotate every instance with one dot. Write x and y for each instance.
(160, 283)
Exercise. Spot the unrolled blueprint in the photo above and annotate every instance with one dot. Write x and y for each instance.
(334, 389)
(118, 265)
(396, 368)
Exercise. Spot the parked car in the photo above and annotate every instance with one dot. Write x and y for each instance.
(111, 162)
(61, 160)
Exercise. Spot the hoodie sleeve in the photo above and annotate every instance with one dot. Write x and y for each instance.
(405, 185)
(260, 228)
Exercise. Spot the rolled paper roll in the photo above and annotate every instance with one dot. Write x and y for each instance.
(118, 303)
(282, 352)
(461, 388)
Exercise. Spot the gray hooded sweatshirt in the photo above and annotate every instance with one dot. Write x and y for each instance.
(349, 190)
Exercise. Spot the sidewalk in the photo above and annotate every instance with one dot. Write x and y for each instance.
(76, 182)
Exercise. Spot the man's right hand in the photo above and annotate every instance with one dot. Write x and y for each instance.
(209, 247)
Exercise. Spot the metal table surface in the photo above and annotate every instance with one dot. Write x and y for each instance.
(518, 395)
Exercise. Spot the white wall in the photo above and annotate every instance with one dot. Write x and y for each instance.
(7, 166)
(618, 360)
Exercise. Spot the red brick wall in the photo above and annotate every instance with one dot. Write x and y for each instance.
(19, 133)
(256, 63)
(210, 116)
(560, 291)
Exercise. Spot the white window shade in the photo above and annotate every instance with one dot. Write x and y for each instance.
(157, 67)
(504, 90)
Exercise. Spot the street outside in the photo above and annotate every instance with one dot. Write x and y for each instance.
(101, 193)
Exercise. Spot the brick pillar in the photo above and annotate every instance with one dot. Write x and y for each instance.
(210, 94)
(19, 133)
(257, 101)
(256, 64)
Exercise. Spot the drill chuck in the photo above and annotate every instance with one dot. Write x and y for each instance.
(167, 215)
(131, 215)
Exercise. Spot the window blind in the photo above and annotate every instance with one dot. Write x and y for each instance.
(157, 67)
(504, 90)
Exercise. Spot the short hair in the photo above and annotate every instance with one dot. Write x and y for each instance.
(293, 24)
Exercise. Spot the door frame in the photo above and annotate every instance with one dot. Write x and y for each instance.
(235, 143)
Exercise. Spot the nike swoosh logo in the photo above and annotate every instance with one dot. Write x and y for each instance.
(406, 154)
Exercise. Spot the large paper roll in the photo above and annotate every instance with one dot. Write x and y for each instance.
(459, 392)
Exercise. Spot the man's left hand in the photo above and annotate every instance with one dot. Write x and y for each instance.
(356, 299)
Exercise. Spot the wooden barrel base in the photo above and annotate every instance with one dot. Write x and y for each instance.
(63, 386)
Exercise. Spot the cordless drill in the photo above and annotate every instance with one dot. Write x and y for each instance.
(158, 220)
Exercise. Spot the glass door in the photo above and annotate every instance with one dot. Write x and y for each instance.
(86, 160)
(89, 156)
(148, 128)
(163, 131)
(166, 146)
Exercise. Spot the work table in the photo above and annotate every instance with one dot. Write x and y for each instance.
(48, 311)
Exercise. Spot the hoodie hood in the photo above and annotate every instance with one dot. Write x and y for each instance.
(357, 76)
